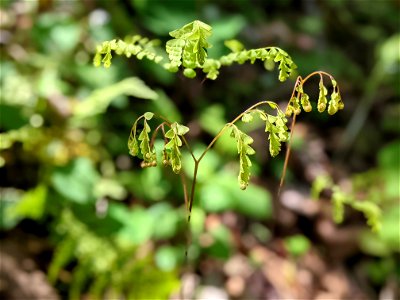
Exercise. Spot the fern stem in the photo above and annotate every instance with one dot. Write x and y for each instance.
(287, 155)
(168, 122)
(221, 132)
(315, 73)
(195, 171)
(156, 131)
(185, 193)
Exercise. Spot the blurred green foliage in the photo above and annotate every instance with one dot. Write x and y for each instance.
(118, 230)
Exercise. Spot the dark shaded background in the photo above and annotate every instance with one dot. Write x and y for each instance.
(80, 219)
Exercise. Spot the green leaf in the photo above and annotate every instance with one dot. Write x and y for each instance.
(293, 106)
(322, 97)
(167, 220)
(166, 258)
(305, 102)
(180, 129)
(234, 45)
(243, 142)
(111, 188)
(147, 150)
(33, 203)
(148, 115)
(76, 181)
(219, 193)
(133, 147)
(211, 67)
(170, 134)
(172, 154)
(138, 225)
(190, 73)
(333, 106)
(247, 117)
(100, 99)
(188, 47)
(133, 45)
(278, 131)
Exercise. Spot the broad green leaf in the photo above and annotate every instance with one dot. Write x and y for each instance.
(107, 187)
(100, 99)
(167, 219)
(166, 258)
(33, 204)
(138, 225)
(219, 193)
(76, 180)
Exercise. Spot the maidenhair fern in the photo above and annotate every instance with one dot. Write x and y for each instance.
(300, 99)
(171, 152)
(187, 51)
(141, 146)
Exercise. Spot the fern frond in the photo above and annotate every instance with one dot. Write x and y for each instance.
(276, 128)
(243, 142)
(286, 64)
(147, 150)
(171, 152)
(136, 45)
(188, 48)
(144, 148)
